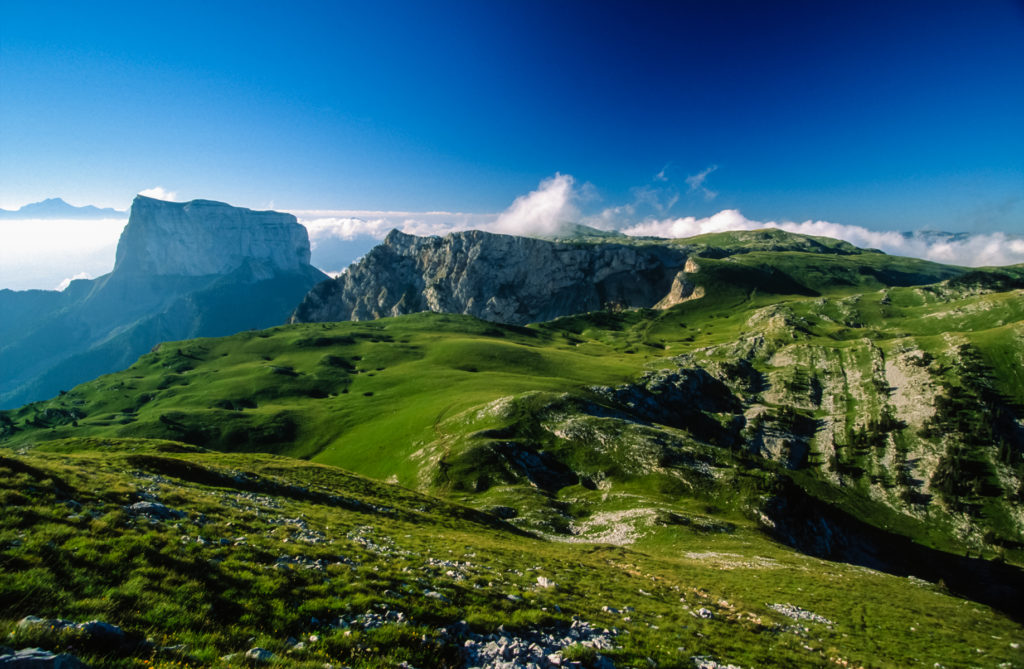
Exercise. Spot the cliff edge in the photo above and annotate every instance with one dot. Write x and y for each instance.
(501, 278)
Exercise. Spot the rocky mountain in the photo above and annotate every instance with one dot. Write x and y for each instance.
(182, 270)
(202, 238)
(519, 280)
(496, 277)
(57, 208)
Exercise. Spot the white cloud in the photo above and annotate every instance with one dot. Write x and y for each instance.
(159, 193)
(696, 183)
(350, 224)
(971, 250)
(346, 228)
(541, 211)
(62, 286)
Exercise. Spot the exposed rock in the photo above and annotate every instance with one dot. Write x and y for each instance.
(203, 237)
(797, 613)
(99, 635)
(36, 658)
(499, 278)
(682, 290)
(259, 656)
(155, 510)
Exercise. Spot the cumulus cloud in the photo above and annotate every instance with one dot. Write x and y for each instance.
(159, 193)
(541, 211)
(972, 250)
(62, 286)
(696, 183)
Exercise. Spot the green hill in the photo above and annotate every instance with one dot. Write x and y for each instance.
(815, 404)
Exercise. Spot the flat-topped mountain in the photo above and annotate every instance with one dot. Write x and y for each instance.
(183, 270)
(203, 237)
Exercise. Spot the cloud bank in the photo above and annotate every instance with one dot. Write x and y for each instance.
(972, 250)
(44, 254)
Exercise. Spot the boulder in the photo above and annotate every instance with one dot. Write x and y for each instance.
(259, 655)
(37, 658)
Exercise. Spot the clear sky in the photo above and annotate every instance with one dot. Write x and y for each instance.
(889, 115)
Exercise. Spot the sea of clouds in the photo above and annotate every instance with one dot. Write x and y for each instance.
(48, 254)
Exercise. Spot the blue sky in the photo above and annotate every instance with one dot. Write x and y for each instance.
(887, 115)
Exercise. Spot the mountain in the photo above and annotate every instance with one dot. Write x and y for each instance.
(58, 208)
(182, 270)
(519, 280)
(204, 238)
(817, 461)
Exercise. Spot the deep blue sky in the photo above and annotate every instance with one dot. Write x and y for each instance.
(886, 114)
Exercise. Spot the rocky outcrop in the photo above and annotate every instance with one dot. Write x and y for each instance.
(203, 237)
(500, 278)
(194, 269)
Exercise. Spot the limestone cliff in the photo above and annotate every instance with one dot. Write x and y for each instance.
(183, 270)
(500, 278)
(203, 237)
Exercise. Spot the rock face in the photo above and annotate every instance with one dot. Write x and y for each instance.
(500, 278)
(197, 269)
(203, 237)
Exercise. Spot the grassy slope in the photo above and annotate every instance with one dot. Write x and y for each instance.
(393, 398)
(70, 548)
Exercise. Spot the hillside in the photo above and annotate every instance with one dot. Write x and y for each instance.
(814, 434)
(193, 558)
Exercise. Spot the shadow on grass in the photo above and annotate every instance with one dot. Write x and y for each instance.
(820, 529)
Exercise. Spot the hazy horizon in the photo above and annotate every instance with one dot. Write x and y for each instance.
(47, 254)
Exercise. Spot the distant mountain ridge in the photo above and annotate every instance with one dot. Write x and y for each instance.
(199, 268)
(56, 208)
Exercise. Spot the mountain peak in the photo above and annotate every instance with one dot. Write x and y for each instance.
(55, 207)
(203, 237)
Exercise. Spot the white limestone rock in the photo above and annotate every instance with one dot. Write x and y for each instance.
(203, 237)
(500, 278)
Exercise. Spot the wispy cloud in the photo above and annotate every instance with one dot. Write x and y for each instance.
(696, 183)
(62, 286)
(159, 193)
